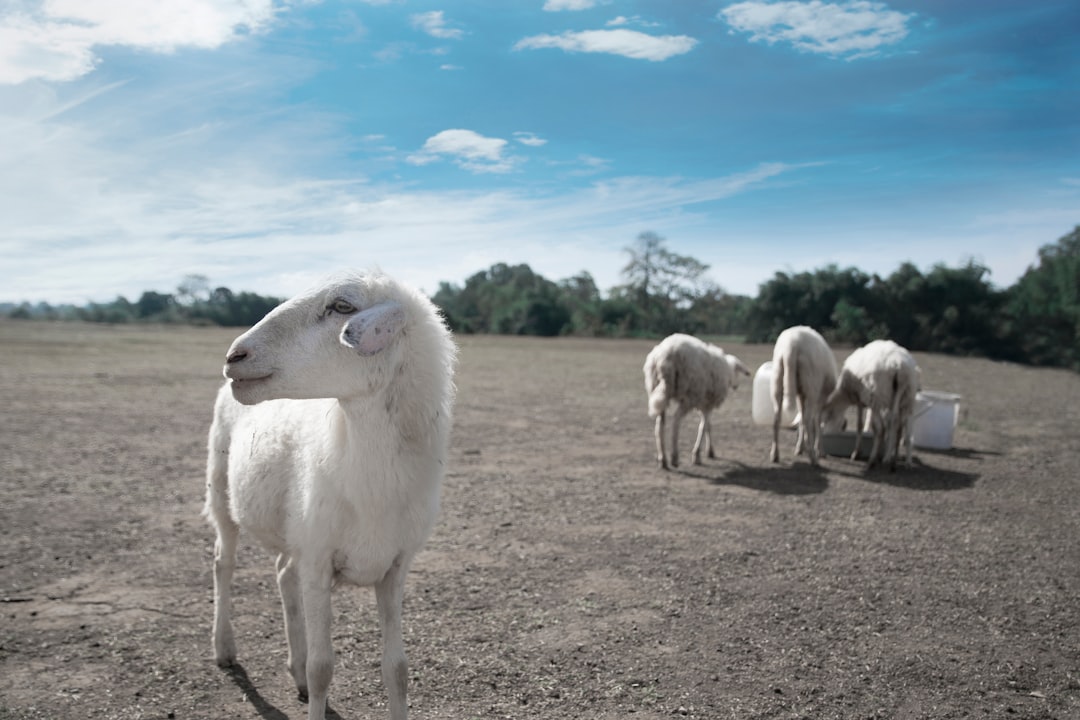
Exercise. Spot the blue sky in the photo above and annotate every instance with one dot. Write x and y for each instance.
(266, 143)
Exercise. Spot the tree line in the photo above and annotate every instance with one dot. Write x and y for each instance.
(194, 302)
(952, 310)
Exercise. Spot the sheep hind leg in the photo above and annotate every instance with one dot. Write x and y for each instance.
(661, 459)
(224, 565)
(395, 670)
(292, 605)
(800, 433)
(774, 452)
(676, 421)
(811, 428)
(892, 442)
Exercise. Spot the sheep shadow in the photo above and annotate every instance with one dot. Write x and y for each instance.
(797, 478)
(264, 707)
(919, 476)
(962, 453)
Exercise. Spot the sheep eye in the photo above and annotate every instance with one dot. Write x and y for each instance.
(342, 307)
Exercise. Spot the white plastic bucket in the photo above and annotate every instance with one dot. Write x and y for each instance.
(935, 417)
(761, 404)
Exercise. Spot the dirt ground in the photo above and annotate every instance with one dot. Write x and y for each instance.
(568, 577)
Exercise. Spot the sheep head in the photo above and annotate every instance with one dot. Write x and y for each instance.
(341, 340)
(738, 367)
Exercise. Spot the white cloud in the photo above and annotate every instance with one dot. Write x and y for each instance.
(57, 40)
(470, 150)
(622, 20)
(558, 5)
(530, 139)
(434, 24)
(139, 213)
(628, 43)
(590, 165)
(853, 29)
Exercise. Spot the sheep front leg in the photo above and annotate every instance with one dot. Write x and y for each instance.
(907, 440)
(858, 431)
(877, 430)
(315, 582)
(395, 670)
(703, 439)
(292, 605)
(710, 450)
(224, 565)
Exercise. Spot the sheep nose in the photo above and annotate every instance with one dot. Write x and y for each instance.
(235, 356)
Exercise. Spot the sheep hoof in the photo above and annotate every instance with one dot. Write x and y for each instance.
(226, 663)
(301, 695)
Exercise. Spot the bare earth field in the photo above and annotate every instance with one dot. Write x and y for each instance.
(568, 577)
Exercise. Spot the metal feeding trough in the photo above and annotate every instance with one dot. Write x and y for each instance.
(842, 443)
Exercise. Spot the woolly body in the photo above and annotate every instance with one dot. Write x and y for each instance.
(696, 376)
(881, 377)
(328, 445)
(804, 375)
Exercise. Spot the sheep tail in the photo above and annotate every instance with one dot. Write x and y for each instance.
(895, 405)
(657, 386)
(791, 383)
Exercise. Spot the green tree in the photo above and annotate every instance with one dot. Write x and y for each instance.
(661, 281)
(1044, 305)
(153, 305)
(582, 299)
(193, 289)
(836, 302)
(505, 299)
(952, 310)
(715, 312)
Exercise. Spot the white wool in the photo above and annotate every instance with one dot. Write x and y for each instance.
(803, 377)
(329, 446)
(883, 378)
(697, 376)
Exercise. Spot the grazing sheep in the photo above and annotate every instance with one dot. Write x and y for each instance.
(804, 375)
(882, 377)
(328, 445)
(697, 376)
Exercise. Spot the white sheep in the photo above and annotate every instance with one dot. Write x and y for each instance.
(695, 375)
(883, 378)
(803, 377)
(328, 445)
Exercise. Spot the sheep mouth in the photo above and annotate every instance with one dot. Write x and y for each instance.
(247, 382)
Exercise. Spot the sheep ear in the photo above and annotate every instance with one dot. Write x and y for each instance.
(370, 332)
